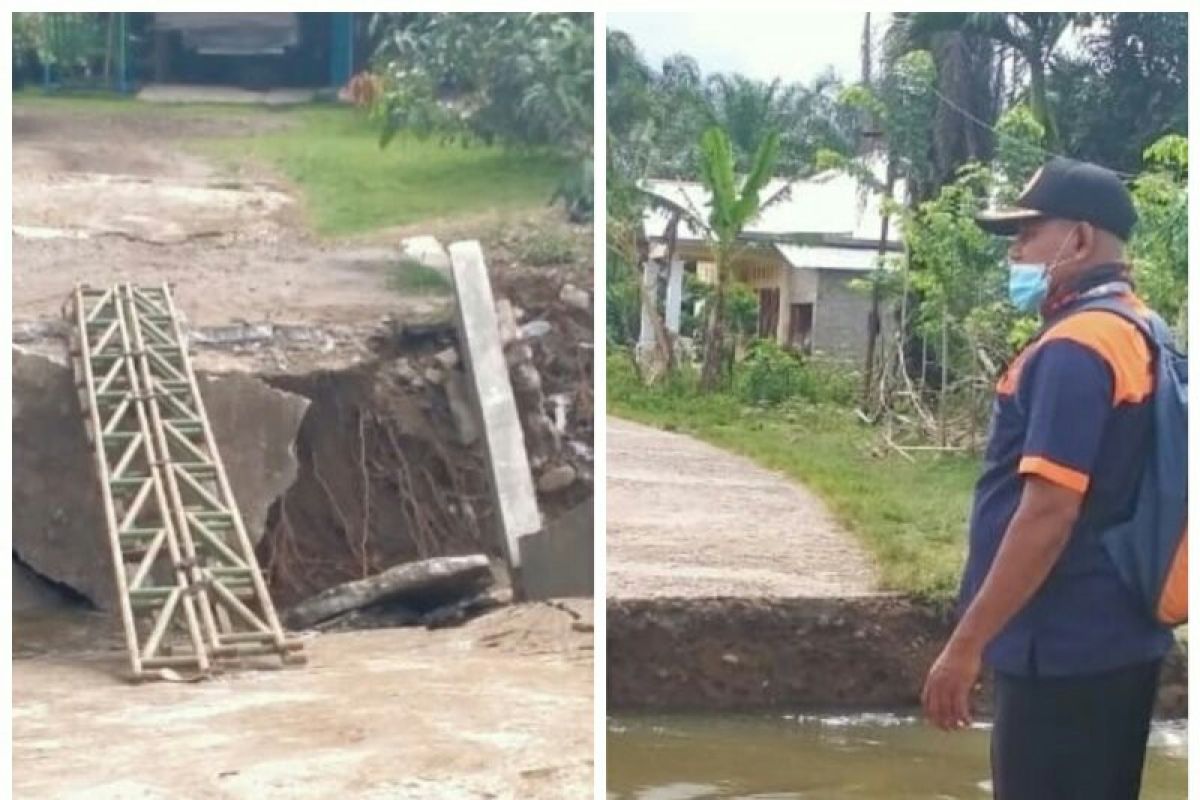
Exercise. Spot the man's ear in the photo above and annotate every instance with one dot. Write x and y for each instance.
(1086, 237)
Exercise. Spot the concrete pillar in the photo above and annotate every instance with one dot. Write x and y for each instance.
(674, 296)
(785, 306)
(649, 289)
(487, 371)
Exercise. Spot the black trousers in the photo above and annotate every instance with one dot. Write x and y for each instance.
(1072, 738)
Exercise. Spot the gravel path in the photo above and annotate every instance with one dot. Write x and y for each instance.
(686, 519)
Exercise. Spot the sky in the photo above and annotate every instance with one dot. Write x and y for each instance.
(793, 46)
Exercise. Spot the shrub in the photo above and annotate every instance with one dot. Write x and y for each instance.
(771, 374)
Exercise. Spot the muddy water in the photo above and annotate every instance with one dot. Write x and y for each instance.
(865, 757)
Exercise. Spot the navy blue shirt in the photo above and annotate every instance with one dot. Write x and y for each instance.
(1073, 409)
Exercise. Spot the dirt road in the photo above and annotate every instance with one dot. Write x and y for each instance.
(500, 708)
(686, 519)
(102, 197)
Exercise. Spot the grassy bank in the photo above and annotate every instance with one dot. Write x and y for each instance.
(911, 516)
(348, 184)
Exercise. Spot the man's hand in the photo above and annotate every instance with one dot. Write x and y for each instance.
(947, 693)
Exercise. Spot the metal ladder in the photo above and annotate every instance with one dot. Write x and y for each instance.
(190, 592)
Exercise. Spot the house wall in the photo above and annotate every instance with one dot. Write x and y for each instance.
(803, 285)
(840, 316)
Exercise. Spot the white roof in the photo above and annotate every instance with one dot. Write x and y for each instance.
(852, 258)
(829, 204)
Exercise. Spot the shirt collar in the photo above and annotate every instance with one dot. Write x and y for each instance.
(1113, 277)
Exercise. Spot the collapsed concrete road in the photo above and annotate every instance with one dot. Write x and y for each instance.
(58, 526)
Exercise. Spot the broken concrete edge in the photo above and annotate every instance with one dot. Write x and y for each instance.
(58, 530)
(559, 561)
(509, 474)
(469, 574)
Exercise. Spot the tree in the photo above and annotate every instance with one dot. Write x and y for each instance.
(1128, 90)
(1032, 36)
(522, 80)
(966, 65)
(733, 207)
(1160, 241)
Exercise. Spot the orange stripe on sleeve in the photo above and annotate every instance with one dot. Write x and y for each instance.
(1055, 473)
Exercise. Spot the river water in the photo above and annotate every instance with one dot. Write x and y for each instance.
(861, 757)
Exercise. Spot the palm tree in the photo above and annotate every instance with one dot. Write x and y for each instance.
(1032, 36)
(966, 76)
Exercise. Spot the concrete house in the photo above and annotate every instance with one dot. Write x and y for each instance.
(799, 256)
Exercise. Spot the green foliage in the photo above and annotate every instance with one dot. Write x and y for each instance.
(770, 374)
(515, 79)
(73, 43)
(623, 309)
(908, 101)
(734, 205)
(743, 310)
(959, 274)
(411, 277)
(1018, 150)
(1127, 89)
(1160, 241)
(656, 116)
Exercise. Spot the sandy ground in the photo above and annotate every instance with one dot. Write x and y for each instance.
(686, 519)
(500, 708)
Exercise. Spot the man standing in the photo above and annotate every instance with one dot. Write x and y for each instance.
(1076, 659)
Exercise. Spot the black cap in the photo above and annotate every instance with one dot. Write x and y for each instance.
(1067, 189)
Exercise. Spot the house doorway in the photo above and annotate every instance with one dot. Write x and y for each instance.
(800, 327)
(768, 313)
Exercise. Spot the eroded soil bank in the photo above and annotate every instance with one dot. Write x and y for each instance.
(744, 654)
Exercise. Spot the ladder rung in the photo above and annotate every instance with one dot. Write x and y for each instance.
(170, 661)
(151, 597)
(140, 533)
(197, 468)
(235, 651)
(130, 480)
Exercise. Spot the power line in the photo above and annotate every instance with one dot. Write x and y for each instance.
(998, 132)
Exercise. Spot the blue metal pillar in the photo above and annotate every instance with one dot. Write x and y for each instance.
(123, 63)
(341, 51)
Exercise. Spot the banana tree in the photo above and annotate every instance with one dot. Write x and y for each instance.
(733, 208)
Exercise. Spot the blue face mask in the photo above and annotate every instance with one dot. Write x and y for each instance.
(1027, 286)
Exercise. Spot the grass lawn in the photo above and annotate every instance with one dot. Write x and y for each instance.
(349, 185)
(912, 517)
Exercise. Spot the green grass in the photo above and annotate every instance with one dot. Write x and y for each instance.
(350, 185)
(912, 517)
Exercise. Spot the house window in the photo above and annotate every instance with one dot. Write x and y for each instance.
(800, 329)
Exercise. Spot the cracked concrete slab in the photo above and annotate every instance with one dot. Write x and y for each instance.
(58, 522)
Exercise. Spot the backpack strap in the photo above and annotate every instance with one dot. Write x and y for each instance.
(1152, 326)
